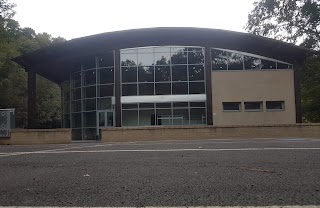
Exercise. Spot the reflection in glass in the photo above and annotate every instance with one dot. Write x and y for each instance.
(235, 61)
(179, 56)
(104, 103)
(76, 106)
(162, 58)
(219, 59)
(76, 94)
(106, 90)
(252, 62)
(89, 104)
(146, 105)
(129, 74)
(179, 88)
(196, 72)
(145, 59)
(162, 49)
(130, 106)
(283, 66)
(146, 73)
(89, 134)
(196, 88)
(76, 80)
(147, 117)
(163, 105)
(197, 116)
(90, 92)
(146, 89)
(76, 120)
(106, 75)
(163, 117)
(129, 89)
(89, 77)
(162, 73)
(266, 64)
(179, 73)
(90, 119)
(130, 118)
(129, 59)
(196, 57)
(163, 88)
(180, 117)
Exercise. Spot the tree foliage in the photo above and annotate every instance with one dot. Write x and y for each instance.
(15, 41)
(295, 21)
(289, 20)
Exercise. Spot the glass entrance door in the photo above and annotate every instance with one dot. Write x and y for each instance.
(105, 120)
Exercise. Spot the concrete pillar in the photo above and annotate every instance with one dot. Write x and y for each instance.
(31, 99)
(208, 85)
(117, 81)
(297, 67)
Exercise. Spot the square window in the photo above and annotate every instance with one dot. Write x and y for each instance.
(251, 63)
(196, 57)
(253, 106)
(162, 58)
(162, 73)
(231, 106)
(235, 61)
(196, 88)
(219, 59)
(179, 73)
(106, 90)
(129, 74)
(180, 88)
(129, 59)
(145, 59)
(196, 72)
(106, 75)
(163, 89)
(129, 89)
(275, 105)
(90, 92)
(146, 73)
(146, 89)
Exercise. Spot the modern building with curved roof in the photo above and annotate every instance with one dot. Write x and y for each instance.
(170, 76)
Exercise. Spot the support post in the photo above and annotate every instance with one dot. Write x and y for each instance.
(297, 67)
(117, 87)
(31, 99)
(208, 85)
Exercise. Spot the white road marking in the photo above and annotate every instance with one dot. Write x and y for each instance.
(161, 150)
(288, 206)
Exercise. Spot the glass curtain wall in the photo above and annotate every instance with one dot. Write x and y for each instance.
(91, 91)
(223, 59)
(163, 71)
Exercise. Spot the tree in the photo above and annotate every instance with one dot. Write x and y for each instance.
(289, 20)
(298, 22)
(15, 41)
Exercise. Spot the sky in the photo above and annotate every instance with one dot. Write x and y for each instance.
(77, 18)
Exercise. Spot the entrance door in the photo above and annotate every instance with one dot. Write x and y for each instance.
(105, 120)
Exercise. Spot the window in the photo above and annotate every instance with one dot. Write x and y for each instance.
(231, 106)
(275, 105)
(253, 106)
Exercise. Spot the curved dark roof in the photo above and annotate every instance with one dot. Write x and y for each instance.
(55, 62)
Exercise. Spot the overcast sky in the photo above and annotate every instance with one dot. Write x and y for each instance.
(76, 18)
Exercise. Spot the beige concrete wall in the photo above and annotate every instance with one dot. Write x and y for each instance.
(159, 133)
(38, 136)
(243, 86)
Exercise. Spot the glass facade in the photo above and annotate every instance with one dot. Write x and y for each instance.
(88, 97)
(223, 59)
(161, 72)
(159, 85)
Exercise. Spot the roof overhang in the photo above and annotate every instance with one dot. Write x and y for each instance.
(56, 62)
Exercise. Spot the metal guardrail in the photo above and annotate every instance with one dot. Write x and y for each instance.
(7, 122)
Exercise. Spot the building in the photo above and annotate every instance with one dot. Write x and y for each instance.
(170, 76)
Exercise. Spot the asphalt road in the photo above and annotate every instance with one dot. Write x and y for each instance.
(172, 173)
